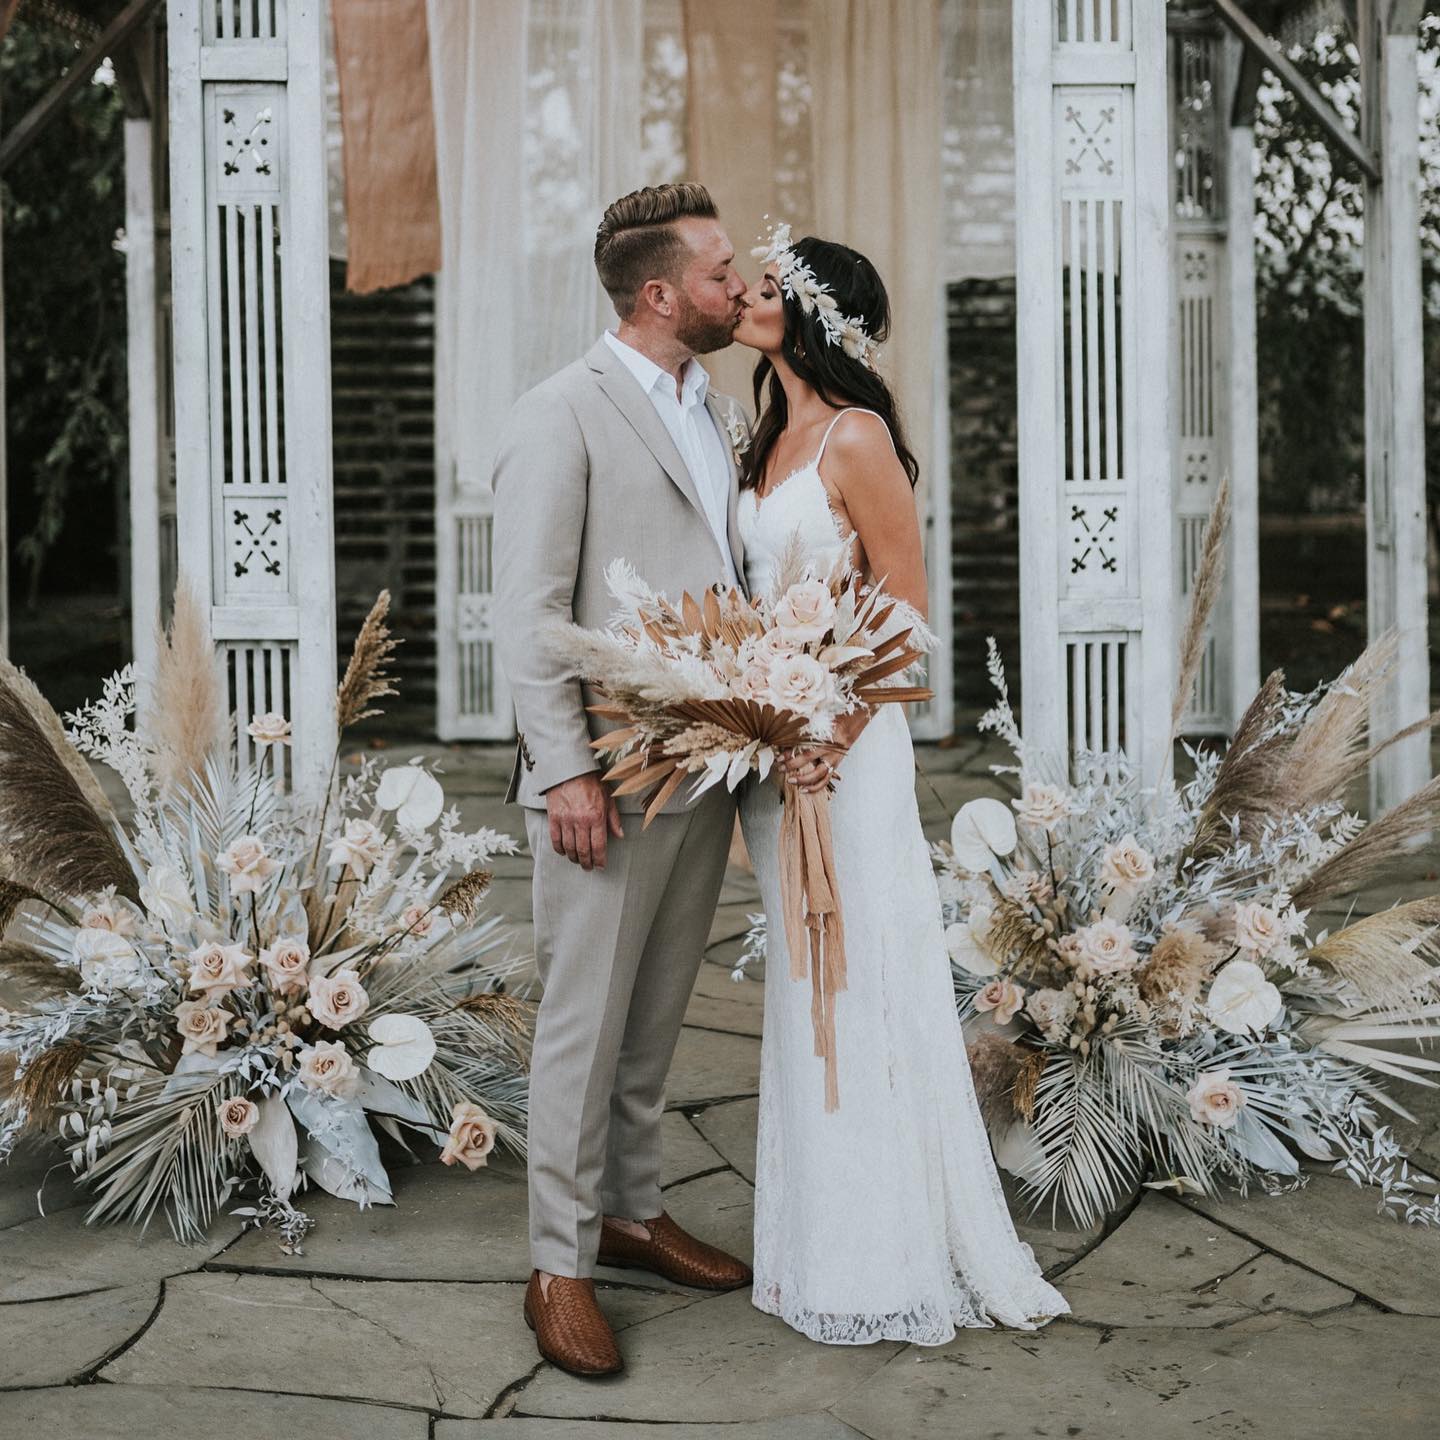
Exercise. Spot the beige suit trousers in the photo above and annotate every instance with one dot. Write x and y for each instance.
(618, 951)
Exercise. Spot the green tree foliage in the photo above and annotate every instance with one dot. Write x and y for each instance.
(64, 208)
(1310, 230)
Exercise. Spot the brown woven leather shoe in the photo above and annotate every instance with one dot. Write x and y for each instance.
(672, 1253)
(570, 1328)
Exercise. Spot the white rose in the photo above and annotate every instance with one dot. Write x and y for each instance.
(773, 645)
(1215, 1099)
(418, 919)
(752, 683)
(413, 793)
(1127, 865)
(1003, 998)
(358, 848)
(108, 913)
(1242, 1000)
(288, 961)
(805, 611)
(1258, 929)
(1106, 947)
(238, 1116)
(271, 728)
(968, 942)
(337, 999)
(800, 684)
(472, 1136)
(247, 865)
(202, 1027)
(216, 969)
(166, 895)
(1043, 806)
(107, 961)
(328, 1066)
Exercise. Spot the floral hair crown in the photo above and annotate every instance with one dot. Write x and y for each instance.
(798, 281)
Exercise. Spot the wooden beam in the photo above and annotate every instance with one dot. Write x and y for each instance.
(1247, 84)
(32, 125)
(1397, 530)
(1255, 39)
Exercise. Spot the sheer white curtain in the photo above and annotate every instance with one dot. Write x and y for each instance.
(537, 127)
(875, 122)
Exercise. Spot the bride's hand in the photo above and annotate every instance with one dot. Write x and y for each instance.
(816, 767)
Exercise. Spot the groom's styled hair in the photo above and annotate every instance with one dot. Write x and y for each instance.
(637, 240)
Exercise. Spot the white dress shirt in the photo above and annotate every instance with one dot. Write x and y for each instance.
(691, 426)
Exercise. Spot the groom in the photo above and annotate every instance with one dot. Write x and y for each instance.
(621, 455)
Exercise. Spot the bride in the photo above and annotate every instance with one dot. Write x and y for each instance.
(884, 1220)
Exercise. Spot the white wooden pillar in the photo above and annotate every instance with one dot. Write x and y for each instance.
(252, 354)
(1394, 397)
(142, 359)
(1092, 277)
(1242, 397)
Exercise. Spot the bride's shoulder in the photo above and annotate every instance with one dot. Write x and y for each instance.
(860, 451)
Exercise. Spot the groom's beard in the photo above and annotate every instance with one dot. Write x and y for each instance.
(700, 333)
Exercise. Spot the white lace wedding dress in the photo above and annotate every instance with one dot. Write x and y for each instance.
(884, 1220)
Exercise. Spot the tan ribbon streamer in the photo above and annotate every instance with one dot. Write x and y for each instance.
(814, 928)
(392, 204)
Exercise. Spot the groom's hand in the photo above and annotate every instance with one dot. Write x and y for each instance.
(583, 815)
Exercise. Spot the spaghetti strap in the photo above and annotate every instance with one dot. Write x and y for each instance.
(849, 410)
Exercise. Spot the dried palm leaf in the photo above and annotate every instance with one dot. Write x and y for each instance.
(58, 842)
(1379, 844)
(185, 719)
(365, 677)
(29, 695)
(1204, 592)
(1389, 959)
(995, 1065)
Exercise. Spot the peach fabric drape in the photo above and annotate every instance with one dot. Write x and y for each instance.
(391, 201)
(876, 127)
(731, 123)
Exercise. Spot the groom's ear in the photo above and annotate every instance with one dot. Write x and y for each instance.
(657, 296)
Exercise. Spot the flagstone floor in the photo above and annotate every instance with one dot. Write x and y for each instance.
(1305, 1315)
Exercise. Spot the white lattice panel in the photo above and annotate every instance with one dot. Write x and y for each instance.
(252, 356)
(1094, 485)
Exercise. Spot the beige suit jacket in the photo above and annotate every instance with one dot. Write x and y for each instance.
(586, 474)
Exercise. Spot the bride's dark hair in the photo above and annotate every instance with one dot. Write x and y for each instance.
(837, 378)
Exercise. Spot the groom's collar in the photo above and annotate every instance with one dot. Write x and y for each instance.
(694, 382)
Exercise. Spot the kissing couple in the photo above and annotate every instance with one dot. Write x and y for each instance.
(884, 1220)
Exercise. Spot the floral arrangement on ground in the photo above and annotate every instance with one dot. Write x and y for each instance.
(1143, 990)
(236, 991)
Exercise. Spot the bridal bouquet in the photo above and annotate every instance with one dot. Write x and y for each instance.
(230, 988)
(1142, 985)
(719, 688)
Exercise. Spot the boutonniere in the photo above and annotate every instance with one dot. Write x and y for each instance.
(737, 431)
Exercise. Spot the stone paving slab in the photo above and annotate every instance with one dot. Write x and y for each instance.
(715, 1361)
(720, 1003)
(1354, 1373)
(1166, 1265)
(684, 1151)
(792, 1427)
(1330, 1226)
(61, 1255)
(36, 1174)
(450, 1349)
(730, 1128)
(162, 1412)
(710, 1065)
(50, 1342)
(446, 1224)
